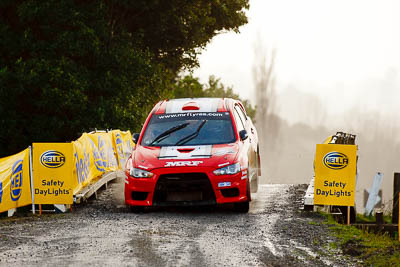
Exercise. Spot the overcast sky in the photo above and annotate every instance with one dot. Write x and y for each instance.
(345, 52)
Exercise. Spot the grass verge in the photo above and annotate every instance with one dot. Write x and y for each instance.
(366, 219)
(372, 249)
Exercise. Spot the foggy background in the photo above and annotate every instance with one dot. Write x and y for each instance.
(288, 145)
(314, 68)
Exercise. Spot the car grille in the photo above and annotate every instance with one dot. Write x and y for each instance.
(136, 195)
(183, 189)
(230, 192)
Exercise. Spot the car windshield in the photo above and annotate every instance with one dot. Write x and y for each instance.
(191, 128)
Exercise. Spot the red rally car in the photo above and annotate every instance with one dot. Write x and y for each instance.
(194, 151)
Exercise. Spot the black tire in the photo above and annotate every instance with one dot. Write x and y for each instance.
(254, 180)
(254, 185)
(242, 207)
(208, 208)
(136, 209)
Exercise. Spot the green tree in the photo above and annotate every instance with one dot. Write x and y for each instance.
(189, 86)
(175, 31)
(70, 65)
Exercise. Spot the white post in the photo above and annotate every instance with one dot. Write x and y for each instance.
(373, 194)
(31, 176)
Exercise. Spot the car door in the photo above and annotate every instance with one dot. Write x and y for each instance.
(252, 140)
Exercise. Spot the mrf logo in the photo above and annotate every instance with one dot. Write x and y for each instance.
(182, 163)
(52, 159)
(336, 160)
(16, 181)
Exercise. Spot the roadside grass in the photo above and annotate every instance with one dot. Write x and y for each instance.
(313, 223)
(372, 249)
(360, 218)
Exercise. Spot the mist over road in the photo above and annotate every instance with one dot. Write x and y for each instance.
(103, 232)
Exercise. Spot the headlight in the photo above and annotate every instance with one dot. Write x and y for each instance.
(138, 173)
(231, 169)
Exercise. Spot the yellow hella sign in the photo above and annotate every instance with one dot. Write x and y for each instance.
(53, 173)
(52, 159)
(335, 174)
(336, 160)
(15, 186)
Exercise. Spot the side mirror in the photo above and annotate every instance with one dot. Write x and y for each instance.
(243, 135)
(135, 138)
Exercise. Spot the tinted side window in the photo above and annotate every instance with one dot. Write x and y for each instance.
(241, 112)
(243, 117)
(239, 121)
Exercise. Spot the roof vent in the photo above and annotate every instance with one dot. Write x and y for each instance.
(191, 106)
(185, 150)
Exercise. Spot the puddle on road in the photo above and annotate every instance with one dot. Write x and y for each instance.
(309, 253)
(269, 197)
(165, 238)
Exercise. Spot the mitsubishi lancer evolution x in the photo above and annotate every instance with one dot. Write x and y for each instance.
(194, 151)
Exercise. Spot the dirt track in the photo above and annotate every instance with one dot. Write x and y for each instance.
(103, 232)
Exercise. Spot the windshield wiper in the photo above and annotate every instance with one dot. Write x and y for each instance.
(191, 136)
(169, 131)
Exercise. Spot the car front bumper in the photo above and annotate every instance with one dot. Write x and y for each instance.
(185, 187)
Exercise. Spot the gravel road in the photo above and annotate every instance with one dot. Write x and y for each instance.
(103, 232)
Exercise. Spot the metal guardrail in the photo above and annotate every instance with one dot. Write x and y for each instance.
(309, 196)
(92, 189)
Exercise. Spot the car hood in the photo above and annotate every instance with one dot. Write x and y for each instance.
(149, 158)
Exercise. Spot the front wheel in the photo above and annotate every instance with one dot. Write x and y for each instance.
(254, 184)
(136, 209)
(242, 207)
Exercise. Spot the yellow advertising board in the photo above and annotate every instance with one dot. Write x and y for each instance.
(127, 144)
(60, 170)
(52, 173)
(335, 174)
(105, 154)
(119, 147)
(95, 154)
(87, 162)
(15, 184)
(123, 144)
